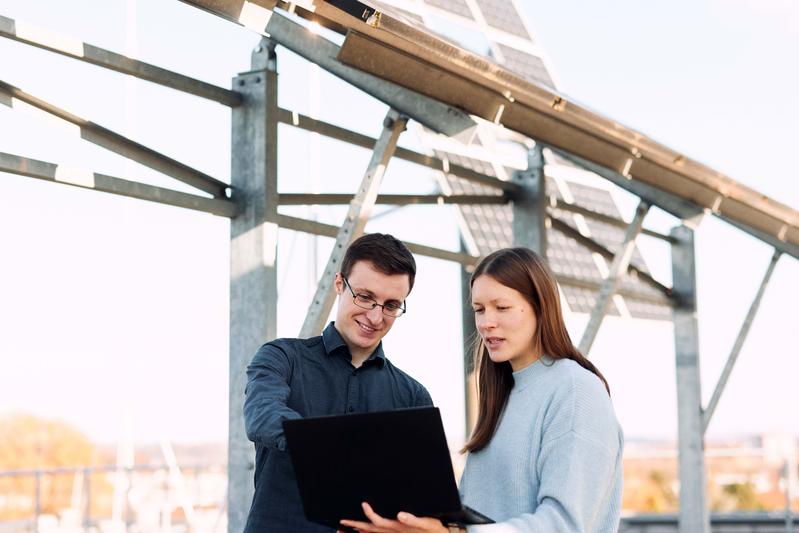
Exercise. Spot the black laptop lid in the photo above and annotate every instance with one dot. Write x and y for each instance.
(395, 460)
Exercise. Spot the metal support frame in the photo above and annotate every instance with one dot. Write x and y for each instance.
(111, 60)
(621, 260)
(739, 342)
(693, 515)
(530, 206)
(355, 222)
(292, 118)
(594, 246)
(255, 222)
(86, 179)
(394, 199)
(253, 255)
(121, 145)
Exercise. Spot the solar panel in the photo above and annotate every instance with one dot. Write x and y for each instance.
(459, 7)
(502, 15)
(485, 228)
(490, 227)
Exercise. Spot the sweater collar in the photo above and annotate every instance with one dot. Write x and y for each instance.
(531, 373)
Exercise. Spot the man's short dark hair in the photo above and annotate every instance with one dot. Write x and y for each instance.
(386, 253)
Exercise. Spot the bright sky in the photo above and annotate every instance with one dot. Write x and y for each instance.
(114, 312)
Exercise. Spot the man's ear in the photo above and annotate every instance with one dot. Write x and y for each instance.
(338, 283)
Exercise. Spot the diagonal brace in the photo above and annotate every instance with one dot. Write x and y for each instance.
(621, 260)
(355, 222)
(739, 342)
(594, 246)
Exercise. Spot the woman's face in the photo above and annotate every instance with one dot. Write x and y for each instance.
(505, 321)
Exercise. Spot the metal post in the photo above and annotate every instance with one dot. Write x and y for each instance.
(87, 490)
(469, 334)
(739, 342)
(37, 500)
(693, 516)
(790, 486)
(530, 204)
(621, 260)
(355, 222)
(253, 254)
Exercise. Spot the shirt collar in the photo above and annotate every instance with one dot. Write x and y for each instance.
(333, 342)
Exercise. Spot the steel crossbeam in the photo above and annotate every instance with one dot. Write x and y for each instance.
(121, 145)
(87, 179)
(100, 57)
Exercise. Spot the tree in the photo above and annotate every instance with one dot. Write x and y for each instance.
(31, 443)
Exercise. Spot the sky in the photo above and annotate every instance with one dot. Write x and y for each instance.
(114, 312)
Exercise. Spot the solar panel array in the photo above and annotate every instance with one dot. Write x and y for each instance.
(580, 270)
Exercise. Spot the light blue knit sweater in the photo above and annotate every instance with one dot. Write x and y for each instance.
(554, 463)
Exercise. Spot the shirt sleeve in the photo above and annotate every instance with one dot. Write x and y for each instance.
(422, 398)
(266, 396)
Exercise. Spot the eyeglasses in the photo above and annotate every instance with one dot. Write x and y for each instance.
(364, 301)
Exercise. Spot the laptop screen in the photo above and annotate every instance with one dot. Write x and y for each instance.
(395, 460)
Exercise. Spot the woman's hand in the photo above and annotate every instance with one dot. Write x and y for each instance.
(405, 523)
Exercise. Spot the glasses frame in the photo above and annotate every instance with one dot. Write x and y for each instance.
(403, 309)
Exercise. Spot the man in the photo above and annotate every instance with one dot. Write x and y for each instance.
(342, 371)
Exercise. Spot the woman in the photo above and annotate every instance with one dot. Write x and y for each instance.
(545, 454)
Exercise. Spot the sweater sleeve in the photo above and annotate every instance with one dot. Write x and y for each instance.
(576, 477)
(575, 464)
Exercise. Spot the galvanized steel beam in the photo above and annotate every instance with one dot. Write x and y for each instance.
(86, 179)
(601, 217)
(469, 336)
(693, 513)
(594, 246)
(332, 131)
(683, 209)
(621, 260)
(594, 286)
(435, 115)
(739, 342)
(253, 255)
(94, 55)
(355, 222)
(530, 205)
(394, 199)
(328, 230)
(116, 143)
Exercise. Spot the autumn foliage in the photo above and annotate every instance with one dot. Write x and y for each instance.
(29, 443)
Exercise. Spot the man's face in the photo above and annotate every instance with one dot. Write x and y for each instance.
(362, 329)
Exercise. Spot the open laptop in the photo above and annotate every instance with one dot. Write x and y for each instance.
(395, 460)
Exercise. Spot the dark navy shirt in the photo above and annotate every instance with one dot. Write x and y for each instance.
(295, 378)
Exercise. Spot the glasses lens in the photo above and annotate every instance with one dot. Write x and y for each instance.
(366, 302)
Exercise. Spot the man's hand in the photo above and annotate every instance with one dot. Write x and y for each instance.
(405, 523)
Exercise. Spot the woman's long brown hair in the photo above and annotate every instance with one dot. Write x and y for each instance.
(523, 270)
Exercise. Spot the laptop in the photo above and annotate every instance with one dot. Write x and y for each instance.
(395, 460)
